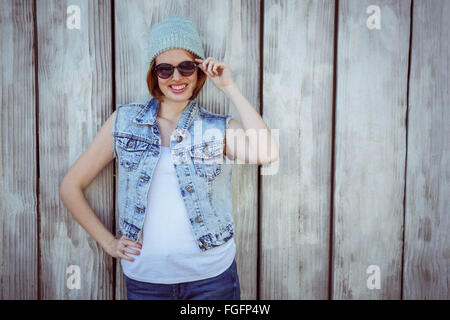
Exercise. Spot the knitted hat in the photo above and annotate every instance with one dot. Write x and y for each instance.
(175, 32)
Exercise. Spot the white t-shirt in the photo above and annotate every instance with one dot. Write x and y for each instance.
(169, 251)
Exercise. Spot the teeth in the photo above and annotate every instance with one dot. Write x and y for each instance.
(179, 87)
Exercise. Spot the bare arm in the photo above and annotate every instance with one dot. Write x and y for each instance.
(250, 141)
(79, 177)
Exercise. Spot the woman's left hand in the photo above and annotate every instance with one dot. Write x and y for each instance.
(218, 72)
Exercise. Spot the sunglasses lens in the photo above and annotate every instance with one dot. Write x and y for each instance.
(164, 70)
(187, 68)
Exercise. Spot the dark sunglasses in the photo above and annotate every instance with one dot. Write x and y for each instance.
(185, 68)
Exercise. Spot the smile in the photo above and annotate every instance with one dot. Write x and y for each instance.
(178, 89)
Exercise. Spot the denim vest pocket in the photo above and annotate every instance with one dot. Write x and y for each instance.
(207, 158)
(130, 151)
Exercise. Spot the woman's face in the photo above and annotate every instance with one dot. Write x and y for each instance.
(175, 57)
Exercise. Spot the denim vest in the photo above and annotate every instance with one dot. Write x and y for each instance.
(197, 150)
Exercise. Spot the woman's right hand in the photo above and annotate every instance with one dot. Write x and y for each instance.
(118, 247)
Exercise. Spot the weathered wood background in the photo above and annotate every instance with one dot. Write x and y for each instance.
(363, 180)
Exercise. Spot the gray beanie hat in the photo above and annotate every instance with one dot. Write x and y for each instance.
(175, 32)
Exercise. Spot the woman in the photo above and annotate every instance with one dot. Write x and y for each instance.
(174, 197)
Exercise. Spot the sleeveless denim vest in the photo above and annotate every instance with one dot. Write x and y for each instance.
(197, 150)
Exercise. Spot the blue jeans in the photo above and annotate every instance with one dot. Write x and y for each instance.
(225, 286)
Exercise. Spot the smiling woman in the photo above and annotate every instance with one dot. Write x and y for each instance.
(174, 193)
(180, 244)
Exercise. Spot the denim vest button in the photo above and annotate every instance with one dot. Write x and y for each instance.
(198, 219)
(188, 188)
(179, 138)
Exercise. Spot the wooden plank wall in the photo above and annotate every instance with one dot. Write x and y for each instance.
(362, 114)
(427, 223)
(18, 153)
(370, 144)
(297, 99)
(75, 98)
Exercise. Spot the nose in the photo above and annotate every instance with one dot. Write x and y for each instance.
(176, 74)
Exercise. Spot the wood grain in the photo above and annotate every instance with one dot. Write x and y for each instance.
(297, 96)
(427, 221)
(18, 167)
(380, 199)
(75, 98)
(370, 146)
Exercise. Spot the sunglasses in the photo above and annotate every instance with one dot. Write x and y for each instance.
(185, 68)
